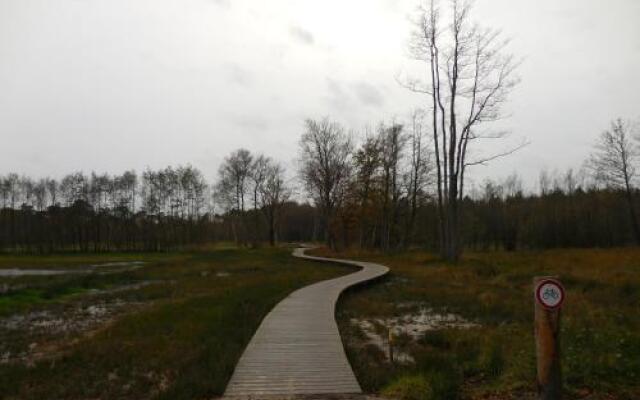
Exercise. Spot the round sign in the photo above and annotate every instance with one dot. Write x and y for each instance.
(550, 293)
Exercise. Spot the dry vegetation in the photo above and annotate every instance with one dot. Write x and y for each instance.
(600, 332)
(172, 329)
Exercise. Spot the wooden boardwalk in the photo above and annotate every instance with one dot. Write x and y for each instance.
(297, 349)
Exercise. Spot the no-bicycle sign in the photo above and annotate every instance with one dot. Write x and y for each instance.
(549, 293)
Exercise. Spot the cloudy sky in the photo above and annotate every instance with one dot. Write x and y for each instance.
(109, 85)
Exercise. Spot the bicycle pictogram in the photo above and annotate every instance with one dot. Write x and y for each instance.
(550, 293)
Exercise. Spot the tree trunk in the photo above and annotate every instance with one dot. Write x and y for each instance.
(453, 245)
(635, 225)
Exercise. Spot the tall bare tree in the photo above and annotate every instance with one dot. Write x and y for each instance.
(232, 187)
(257, 175)
(11, 187)
(325, 168)
(74, 187)
(615, 161)
(392, 143)
(419, 175)
(274, 193)
(52, 190)
(40, 193)
(470, 75)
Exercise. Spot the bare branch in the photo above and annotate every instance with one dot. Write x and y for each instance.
(485, 160)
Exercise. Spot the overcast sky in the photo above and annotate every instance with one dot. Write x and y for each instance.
(109, 85)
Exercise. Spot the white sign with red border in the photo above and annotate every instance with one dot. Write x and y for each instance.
(550, 293)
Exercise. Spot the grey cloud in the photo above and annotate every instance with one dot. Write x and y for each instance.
(335, 88)
(338, 98)
(368, 94)
(302, 35)
(342, 95)
(250, 122)
(207, 72)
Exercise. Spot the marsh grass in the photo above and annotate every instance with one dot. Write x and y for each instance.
(182, 343)
(600, 322)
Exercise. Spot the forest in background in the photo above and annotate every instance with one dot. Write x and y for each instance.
(397, 185)
(382, 199)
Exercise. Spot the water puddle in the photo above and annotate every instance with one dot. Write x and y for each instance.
(35, 272)
(427, 319)
(377, 334)
(123, 288)
(118, 264)
(75, 319)
(128, 266)
(39, 334)
(411, 325)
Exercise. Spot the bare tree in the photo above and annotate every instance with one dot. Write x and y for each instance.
(74, 187)
(512, 186)
(544, 182)
(10, 185)
(40, 193)
(274, 193)
(614, 162)
(232, 187)
(325, 168)
(420, 171)
(99, 188)
(27, 188)
(258, 174)
(129, 182)
(4, 192)
(392, 142)
(52, 190)
(470, 76)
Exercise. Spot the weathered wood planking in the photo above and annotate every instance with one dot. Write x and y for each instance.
(297, 349)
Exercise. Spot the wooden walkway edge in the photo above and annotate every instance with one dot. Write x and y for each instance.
(297, 349)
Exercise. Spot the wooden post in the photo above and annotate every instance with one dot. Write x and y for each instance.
(547, 336)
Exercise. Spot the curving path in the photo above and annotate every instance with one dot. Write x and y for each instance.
(297, 349)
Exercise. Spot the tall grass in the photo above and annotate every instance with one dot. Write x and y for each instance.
(600, 320)
(183, 344)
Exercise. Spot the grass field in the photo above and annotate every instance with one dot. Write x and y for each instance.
(171, 328)
(492, 356)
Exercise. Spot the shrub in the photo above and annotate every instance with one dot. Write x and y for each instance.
(414, 387)
(435, 385)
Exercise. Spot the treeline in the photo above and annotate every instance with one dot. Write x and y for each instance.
(567, 214)
(159, 210)
(381, 194)
(498, 215)
(376, 193)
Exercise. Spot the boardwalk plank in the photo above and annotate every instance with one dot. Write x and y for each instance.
(297, 349)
